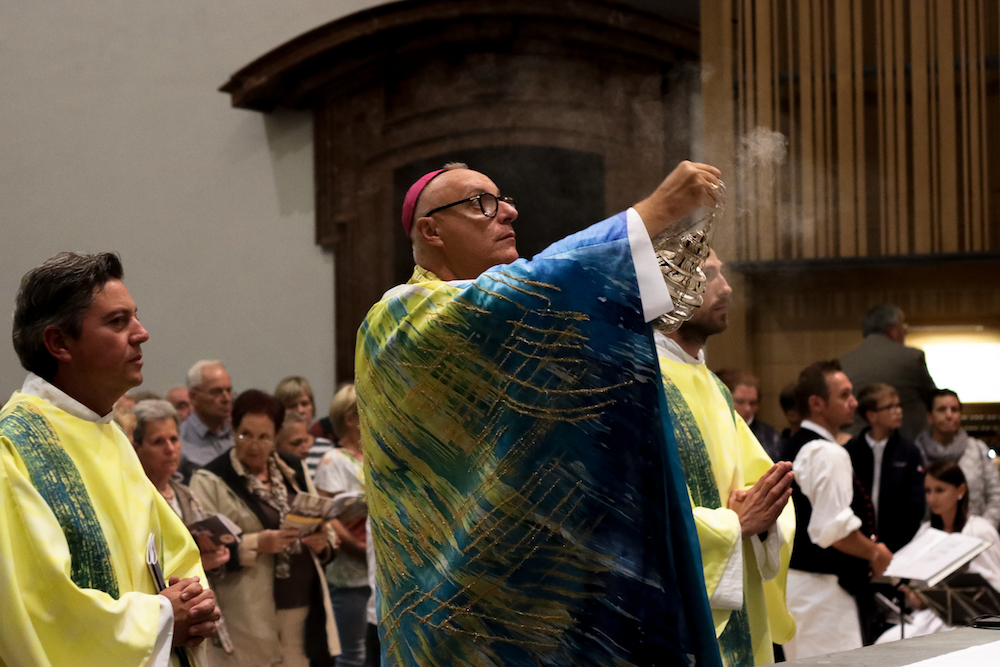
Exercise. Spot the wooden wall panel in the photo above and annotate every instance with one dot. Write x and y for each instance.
(885, 105)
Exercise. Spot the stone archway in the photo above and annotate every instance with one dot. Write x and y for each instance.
(592, 88)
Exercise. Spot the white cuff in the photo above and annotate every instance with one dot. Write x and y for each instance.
(729, 593)
(842, 525)
(652, 289)
(160, 657)
(768, 552)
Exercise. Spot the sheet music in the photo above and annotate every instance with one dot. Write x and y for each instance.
(933, 555)
(976, 656)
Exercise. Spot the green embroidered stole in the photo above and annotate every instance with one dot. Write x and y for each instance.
(55, 476)
(735, 643)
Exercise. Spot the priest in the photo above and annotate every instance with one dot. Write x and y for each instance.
(76, 509)
(527, 500)
(742, 508)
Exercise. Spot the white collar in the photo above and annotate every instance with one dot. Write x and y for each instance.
(873, 443)
(671, 349)
(45, 390)
(816, 428)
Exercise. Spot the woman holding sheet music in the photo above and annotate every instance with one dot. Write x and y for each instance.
(273, 591)
(948, 501)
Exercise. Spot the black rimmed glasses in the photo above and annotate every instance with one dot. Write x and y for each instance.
(893, 406)
(488, 203)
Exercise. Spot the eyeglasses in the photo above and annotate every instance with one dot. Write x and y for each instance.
(246, 438)
(894, 406)
(488, 203)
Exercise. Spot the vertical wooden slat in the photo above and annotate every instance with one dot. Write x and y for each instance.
(889, 90)
(793, 226)
(921, 128)
(776, 188)
(819, 91)
(719, 108)
(750, 176)
(947, 128)
(934, 92)
(806, 106)
(859, 122)
(846, 218)
(741, 129)
(964, 177)
(985, 164)
(880, 109)
(829, 170)
(976, 140)
(764, 232)
(902, 163)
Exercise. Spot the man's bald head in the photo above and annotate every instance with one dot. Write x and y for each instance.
(460, 241)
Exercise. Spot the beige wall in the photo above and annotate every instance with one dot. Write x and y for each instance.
(113, 137)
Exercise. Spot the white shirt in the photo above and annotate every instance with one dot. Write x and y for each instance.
(824, 473)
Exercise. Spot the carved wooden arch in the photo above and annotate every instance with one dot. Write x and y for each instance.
(404, 83)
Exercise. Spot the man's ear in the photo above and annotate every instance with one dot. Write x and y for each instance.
(816, 404)
(56, 343)
(427, 231)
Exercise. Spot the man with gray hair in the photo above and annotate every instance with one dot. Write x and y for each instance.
(206, 433)
(882, 357)
(76, 509)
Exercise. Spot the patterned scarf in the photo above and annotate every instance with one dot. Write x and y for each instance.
(57, 479)
(275, 497)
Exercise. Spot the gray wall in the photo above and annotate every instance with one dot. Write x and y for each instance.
(113, 137)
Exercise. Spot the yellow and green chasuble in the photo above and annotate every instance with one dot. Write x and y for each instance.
(719, 454)
(76, 512)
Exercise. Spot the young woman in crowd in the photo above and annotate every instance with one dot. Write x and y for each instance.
(273, 591)
(948, 501)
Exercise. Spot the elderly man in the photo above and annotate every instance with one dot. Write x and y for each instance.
(834, 553)
(527, 500)
(883, 357)
(76, 509)
(206, 433)
(741, 499)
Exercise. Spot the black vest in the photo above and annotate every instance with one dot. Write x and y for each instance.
(852, 573)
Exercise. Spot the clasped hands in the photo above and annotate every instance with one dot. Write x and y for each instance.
(195, 611)
(759, 506)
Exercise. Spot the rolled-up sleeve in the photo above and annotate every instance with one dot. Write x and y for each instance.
(824, 473)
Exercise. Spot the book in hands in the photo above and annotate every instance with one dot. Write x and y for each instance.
(214, 532)
(308, 512)
(932, 556)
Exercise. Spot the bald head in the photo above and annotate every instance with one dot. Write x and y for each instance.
(460, 242)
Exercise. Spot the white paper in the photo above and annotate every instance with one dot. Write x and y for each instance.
(976, 656)
(933, 556)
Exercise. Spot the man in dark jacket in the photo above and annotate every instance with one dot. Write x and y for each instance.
(888, 466)
(883, 357)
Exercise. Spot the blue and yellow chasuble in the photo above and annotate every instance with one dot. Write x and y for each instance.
(527, 499)
(76, 511)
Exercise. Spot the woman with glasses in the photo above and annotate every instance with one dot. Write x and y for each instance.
(948, 501)
(273, 589)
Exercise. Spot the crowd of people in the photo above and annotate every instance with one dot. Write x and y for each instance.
(549, 474)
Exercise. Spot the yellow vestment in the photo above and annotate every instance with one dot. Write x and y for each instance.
(703, 413)
(47, 618)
